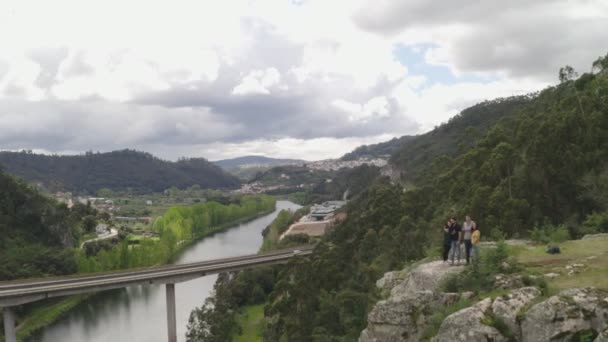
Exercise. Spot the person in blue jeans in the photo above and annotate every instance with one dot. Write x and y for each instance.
(454, 231)
(467, 229)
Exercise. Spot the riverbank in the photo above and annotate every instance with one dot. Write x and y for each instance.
(42, 314)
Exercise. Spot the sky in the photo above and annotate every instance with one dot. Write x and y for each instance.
(308, 79)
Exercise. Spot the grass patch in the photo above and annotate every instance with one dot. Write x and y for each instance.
(251, 321)
(435, 322)
(44, 313)
(594, 273)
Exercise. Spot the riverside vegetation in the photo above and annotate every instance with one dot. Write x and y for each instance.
(536, 166)
(40, 237)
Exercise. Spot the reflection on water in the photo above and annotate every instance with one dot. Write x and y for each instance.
(138, 313)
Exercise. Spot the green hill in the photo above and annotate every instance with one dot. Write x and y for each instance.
(36, 233)
(458, 134)
(118, 170)
(539, 170)
(382, 149)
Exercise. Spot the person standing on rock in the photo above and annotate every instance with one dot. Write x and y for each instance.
(467, 229)
(475, 237)
(454, 240)
(447, 241)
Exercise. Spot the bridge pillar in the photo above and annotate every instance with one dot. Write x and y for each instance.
(171, 321)
(10, 333)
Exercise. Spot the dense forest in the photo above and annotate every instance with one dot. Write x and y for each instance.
(455, 136)
(534, 163)
(118, 170)
(36, 233)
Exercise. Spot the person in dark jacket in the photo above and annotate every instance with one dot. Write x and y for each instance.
(447, 241)
(454, 231)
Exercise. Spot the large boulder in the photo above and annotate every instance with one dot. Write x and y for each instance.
(507, 307)
(405, 314)
(566, 316)
(427, 276)
(468, 325)
(399, 318)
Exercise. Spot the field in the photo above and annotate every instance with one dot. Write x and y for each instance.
(581, 263)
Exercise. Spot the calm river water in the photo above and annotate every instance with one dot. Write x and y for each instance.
(138, 313)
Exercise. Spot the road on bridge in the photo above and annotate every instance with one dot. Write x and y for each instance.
(25, 291)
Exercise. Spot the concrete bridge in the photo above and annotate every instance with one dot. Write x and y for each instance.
(21, 292)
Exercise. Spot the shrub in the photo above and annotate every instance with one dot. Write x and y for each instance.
(595, 223)
(549, 233)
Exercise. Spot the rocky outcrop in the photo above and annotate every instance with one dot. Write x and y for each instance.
(572, 315)
(390, 280)
(412, 301)
(425, 277)
(507, 307)
(468, 325)
(566, 316)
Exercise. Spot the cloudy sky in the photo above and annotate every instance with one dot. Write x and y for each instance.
(307, 79)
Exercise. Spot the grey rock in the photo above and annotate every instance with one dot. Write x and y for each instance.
(405, 314)
(508, 306)
(424, 277)
(508, 282)
(602, 337)
(595, 236)
(399, 318)
(560, 317)
(450, 298)
(467, 295)
(389, 280)
(467, 325)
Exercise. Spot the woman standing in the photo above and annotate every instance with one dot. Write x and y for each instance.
(467, 229)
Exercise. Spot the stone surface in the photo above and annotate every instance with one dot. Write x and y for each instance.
(399, 318)
(426, 276)
(508, 306)
(389, 280)
(467, 325)
(447, 299)
(508, 282)
(602, 337)
(405, 314)
(561, 317)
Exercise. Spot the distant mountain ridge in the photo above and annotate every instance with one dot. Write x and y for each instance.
(254, 160)
(117, 170)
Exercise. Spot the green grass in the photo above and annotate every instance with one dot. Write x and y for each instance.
(251, 320)
(594, 273)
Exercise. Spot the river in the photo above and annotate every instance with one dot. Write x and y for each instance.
(138, 313)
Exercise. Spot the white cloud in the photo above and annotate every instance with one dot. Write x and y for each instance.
(174, 76)
(258, 82)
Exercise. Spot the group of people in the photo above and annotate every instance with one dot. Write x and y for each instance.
(455, 236)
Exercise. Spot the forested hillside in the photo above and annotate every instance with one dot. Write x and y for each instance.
(542, 165)
(36, 233)
(455, 136)
(116, 170)
(386, 148)
(254, 160)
